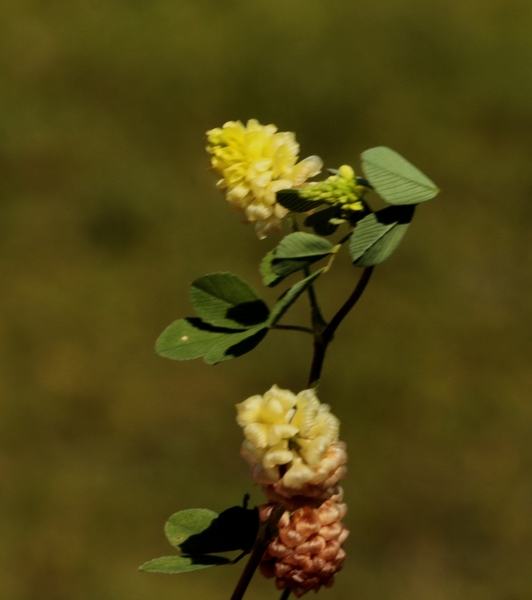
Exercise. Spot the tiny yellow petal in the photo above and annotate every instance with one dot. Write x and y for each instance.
(257, 434)
(277, 456)
(298, 474)
(249, 410)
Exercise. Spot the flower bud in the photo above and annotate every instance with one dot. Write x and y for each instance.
(338, 190)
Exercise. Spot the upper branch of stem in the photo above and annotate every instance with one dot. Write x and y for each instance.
(325, 337)
(348, 305)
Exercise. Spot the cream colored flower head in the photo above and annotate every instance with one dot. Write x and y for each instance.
(289, 438)
(255, 162)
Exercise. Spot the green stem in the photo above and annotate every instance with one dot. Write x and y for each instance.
(322, 341)
(318, 322)
(267, 532)
(285, 594)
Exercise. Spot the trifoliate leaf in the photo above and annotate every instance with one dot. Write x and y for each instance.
(226, 300)
(190, 338)
(290, 296)
(291, 200)
(303, 245)
(198, 532)
(395, 179)
(377, 235)
(182, 564)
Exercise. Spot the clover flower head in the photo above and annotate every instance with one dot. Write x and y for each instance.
(255, 162)
(307, 552)
(291, 443)
(341, 189)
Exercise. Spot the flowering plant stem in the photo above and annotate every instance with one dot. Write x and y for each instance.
(323, 336)
(267, 533)
(291, 441)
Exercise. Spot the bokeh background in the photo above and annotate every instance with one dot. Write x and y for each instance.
(107, 213)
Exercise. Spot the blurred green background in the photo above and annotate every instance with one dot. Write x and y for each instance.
(108, 213)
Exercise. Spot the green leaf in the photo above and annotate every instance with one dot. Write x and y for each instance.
(226, 300)
(235, 528)
(290, 199)
(190, 338)
(274, 270)
(376, 236)
(303, 245)
(295, 252)
(291, 295)
(269, 276)
(395, 179)
(182, 564)
(283, 267)
(181, 525)
(235, 345)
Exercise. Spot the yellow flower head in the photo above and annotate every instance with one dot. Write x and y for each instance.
(255, 162)
(291, 440)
